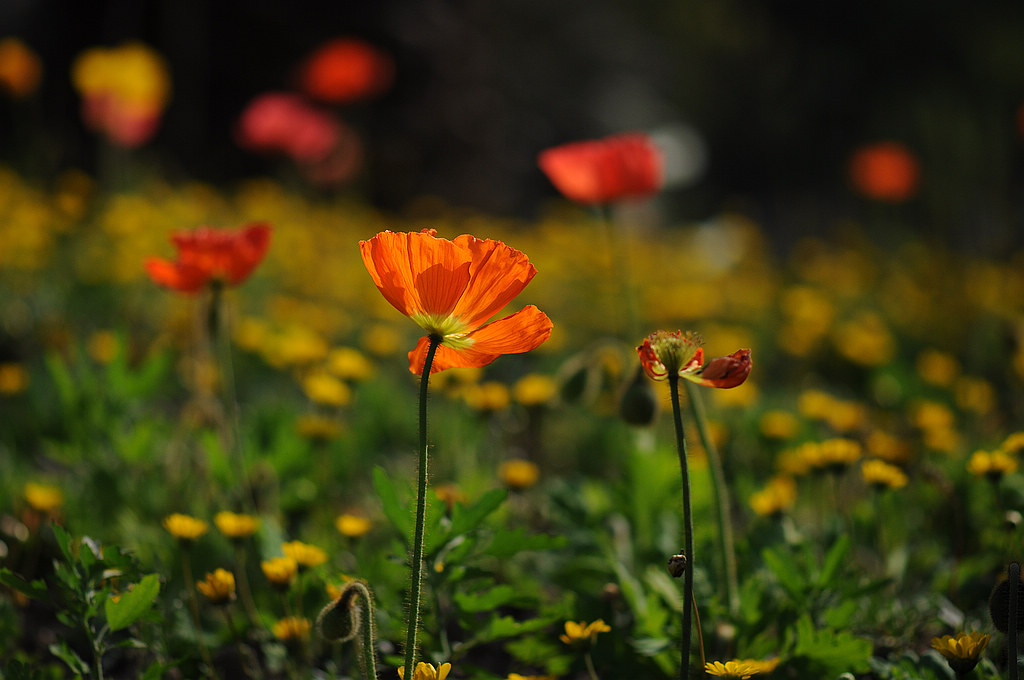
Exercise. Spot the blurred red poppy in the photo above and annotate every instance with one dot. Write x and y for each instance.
(346, 69)
(206, 255)
(885, 171)
(451, 288)
(599, 171)
(283, 122)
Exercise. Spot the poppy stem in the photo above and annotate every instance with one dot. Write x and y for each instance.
(1011, 625)
(684, 671)
(421, 512)
(720, 494)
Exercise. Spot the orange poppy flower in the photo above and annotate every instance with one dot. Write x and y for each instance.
(663, 353)
(450, 288)
(885, 171)
(208, 254)
(346, 69)
(598, 171)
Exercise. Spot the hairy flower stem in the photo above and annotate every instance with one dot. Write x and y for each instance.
(684, 671)
(193, 605)
(720, 495)
(421, 514)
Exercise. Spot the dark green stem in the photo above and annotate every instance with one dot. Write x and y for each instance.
(721, 497)
(1011, 625)
(684, 672)
(421, 513)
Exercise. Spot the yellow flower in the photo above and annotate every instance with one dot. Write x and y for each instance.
(424, 671)
(352, 526)
(450, 494)
(487, 397)
(837, 454)
(962, 651)
(777, 496)
(518, 474)
(304, 554)
(382, 340)
(778, 424)
(218, 586)
(762, 666)
(185, 527)
(348, 363)
(937, 368)
(280, 571)
(516, 676)
(992, 465)
(975, 394)
(583, 635)
(1014, 443)
(13, 378)
(881, 474)
(235, 525)
(334, 590)
(534, 389)
(43, 497)
(731, 670)
(292, 628)
(103, 346)
(318, 428)
(323, 388)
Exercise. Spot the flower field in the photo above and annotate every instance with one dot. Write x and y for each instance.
(269, 429)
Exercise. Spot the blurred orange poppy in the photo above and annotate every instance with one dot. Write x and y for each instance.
(207, 254)
(885, 171)
(20, 68)
(346, 69)
(664, 352)
(598, 171)
(450, 288)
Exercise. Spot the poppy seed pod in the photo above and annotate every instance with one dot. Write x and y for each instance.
(999, 601)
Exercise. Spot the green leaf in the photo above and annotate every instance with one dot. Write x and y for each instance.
(782, 567)
(133, 603)
(35, 590)
(63, 542)
(831, 653)
(485, 600)
(835, 558)
(63, 652)
(393, 508)
(465, 518)
(510, 542)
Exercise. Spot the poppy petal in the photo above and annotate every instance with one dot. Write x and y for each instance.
(176, 276)
(417, 272)
(249, 248)
(498, 273)
(520, 332)
(729, 371)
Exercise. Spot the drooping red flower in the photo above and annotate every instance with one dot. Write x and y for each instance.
(451, 288)
(207, 254)
(622, 166)
(885, 171)
(663, 353)
(346, 69)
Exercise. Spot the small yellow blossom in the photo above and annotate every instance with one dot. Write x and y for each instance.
(323, 388)
(450, 494)
(779, 424)
(318, 427)
(334, 590)
(13, 378)
(1014, 443)
(762, 666)
(236, 526)
(777, 496)
(889, 448)
(836, 454)
(424, 671)
(937, 368)
(351, 525)
(975, 394)
(487, 396)
(43, 497)
(534, 389)
(382, 340)
(932, 415)
(348, 363)
(280, 571)
(518, 473)
(218, 586)
(993, 464)
(185, 527)
(878, 473)
(103, 346)
(305, 555)
(962, 651)
(516, 676)
(292, 628)
(730, 670)
(583, 635)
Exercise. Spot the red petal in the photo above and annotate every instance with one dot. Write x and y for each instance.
(182, 278)
(730, 371)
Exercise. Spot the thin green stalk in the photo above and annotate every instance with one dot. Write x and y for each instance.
(673, 383)
(193, 602)
(1011, 626)
(421, 514)
(726, 546)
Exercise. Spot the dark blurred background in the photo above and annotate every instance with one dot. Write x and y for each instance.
(763, 101)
